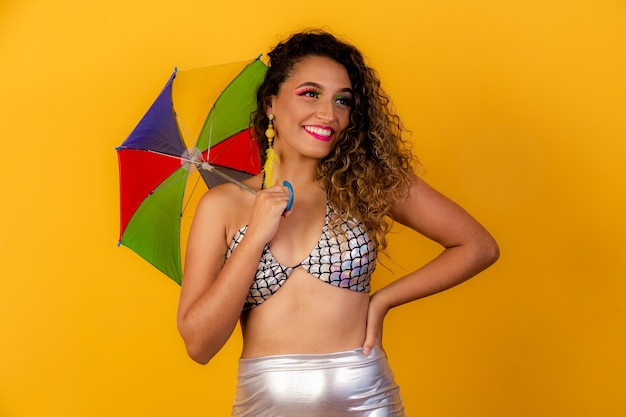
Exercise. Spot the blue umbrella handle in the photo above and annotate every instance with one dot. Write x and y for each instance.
(290, 189)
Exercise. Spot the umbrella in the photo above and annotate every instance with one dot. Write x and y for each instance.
(194, 136)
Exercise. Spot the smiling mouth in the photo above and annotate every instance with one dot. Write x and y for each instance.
(321, 133)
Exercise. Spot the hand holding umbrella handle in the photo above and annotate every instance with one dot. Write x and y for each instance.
(208, 167)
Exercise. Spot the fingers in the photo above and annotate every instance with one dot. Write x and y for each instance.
(374, 327)
(373, 333)
(276, 198)
(368, 345)
(267, 210)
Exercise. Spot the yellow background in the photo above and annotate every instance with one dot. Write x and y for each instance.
(518, 110)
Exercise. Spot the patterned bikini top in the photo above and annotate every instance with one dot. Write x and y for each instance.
(345, 261)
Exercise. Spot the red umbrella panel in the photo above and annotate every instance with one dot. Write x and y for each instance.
(201, 119)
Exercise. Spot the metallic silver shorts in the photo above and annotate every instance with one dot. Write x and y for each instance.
(303, 385)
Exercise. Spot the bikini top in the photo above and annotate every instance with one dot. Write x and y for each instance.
(345, 261)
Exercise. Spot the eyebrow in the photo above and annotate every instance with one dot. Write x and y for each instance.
(320, 87)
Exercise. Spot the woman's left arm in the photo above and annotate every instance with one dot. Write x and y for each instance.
(468, 249)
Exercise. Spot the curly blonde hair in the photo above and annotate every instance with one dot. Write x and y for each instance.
(370, 168)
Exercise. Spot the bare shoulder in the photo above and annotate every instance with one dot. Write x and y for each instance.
(225, 200)
(420, 198)
(434, 215)
(224, 207)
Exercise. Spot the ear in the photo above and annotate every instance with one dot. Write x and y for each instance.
(270, 107)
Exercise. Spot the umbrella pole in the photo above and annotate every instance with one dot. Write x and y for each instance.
(208, 167)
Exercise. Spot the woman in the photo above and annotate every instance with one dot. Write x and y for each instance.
(324, 124)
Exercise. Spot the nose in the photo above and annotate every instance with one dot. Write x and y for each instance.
(325, 111)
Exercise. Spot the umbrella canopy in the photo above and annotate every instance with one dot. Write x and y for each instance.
(194, 136)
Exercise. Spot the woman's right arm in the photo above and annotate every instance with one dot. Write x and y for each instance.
(213, 292)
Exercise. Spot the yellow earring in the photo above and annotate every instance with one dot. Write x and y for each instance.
(271, 159)
(270, 132)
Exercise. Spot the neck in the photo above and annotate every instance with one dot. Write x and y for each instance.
(294, 168)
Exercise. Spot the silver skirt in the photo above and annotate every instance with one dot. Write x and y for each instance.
(327, 385)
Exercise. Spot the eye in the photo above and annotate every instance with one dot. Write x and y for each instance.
(344, 100)
(309, 92)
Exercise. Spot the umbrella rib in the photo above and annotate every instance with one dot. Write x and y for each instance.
(201, 164)
(182, 125)
(208, 167)
(193, 190)
(212, 114)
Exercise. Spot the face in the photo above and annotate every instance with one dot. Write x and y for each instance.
(312, 107)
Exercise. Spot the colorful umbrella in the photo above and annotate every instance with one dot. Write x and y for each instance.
(197, 128)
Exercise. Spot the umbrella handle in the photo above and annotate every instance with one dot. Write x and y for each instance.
(211, 168)
(290, 189)
(208, 167)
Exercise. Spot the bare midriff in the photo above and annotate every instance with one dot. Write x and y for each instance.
(305, 316)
